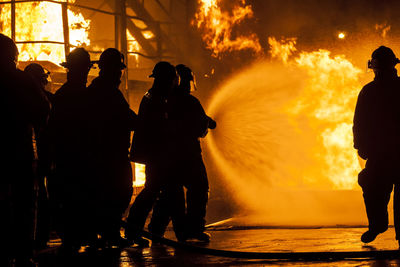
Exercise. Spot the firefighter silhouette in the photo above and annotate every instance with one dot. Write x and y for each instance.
(23, 108)
(70, 137)
(43, 172)
(151, 145)
(190, 172)
(377, 138)
(111, 123)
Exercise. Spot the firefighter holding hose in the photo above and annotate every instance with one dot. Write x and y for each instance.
(192, 124)
(376, 132)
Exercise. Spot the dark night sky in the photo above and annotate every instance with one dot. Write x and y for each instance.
(294, 17)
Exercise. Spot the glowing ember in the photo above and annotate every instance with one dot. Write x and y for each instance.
(45, 24)
(341, 35)
(140, 176)
(217, 27)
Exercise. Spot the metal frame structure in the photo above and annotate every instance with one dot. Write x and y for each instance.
(122, 23)
(161, 47)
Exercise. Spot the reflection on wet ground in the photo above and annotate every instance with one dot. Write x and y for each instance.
(257, 240)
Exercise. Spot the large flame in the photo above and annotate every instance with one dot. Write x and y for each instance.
(42, 21)
(218, 25)
(327, 100)
(285, 126)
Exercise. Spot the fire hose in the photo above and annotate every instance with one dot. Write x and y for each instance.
(291, 256)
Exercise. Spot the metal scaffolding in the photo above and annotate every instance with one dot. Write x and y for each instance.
(159, 47)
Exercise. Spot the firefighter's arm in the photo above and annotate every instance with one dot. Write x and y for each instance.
(359, 126)
(201, 122)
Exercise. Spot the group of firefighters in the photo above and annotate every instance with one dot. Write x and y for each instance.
(74, 147)
(68, 156)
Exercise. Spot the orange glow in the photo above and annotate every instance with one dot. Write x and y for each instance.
(140, 175)
(384, 28)
(285, 131)
(217, 27)
(341, 35)
(282, 49)
(45, 24)
(133, 44)
(329, 99)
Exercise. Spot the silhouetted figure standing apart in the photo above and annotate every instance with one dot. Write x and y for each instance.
(192, 123)
(68, 125)
(23, 107)
(151, 146)
(111, 122)
(43, 169)
(377, 138)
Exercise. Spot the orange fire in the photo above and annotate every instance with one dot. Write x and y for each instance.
(217, 27)
(282, 49)
(285, 133)
(329, 99)
(42, 21)
(133, 44)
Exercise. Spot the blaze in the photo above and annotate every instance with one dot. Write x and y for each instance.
(218, 25)
(329, 99)
(42, 21)
(285, 132)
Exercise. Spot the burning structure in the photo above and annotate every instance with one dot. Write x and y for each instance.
(280, 77)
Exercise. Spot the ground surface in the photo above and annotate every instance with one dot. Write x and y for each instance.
(255, 240)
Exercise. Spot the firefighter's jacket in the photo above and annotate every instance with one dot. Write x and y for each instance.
(149, 142)
(190, 123)
(23, 106)
(376, 125)
(68, 127)
(168, 128)
(111, 120)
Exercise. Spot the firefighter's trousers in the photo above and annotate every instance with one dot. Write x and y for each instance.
(377, 181)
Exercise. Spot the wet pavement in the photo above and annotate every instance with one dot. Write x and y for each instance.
(247, 240)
